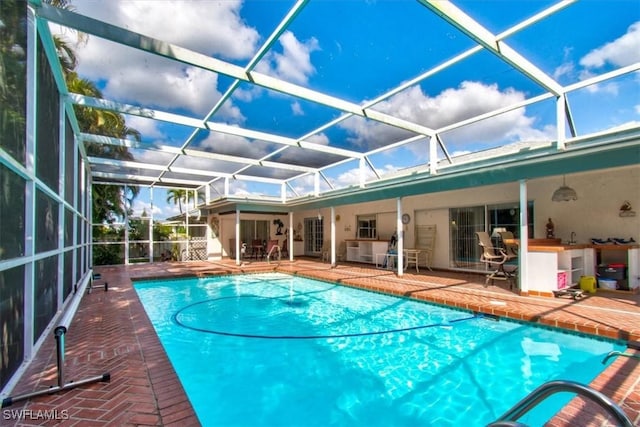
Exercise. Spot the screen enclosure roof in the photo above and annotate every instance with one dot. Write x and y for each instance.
(313, 103)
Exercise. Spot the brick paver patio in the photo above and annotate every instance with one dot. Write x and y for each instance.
(111, 333)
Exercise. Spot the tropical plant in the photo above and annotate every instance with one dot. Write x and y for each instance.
(177, 197)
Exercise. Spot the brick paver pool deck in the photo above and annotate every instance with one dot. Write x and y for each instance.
(111, 333)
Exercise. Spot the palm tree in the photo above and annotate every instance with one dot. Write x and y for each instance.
(109, 201)
(177, 197)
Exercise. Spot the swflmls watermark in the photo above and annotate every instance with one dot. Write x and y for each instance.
(32, 415)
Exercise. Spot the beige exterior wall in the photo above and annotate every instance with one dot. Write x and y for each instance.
(594, 214)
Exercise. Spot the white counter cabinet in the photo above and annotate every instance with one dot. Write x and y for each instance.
(298, 248)
(545, 264)
(365, 250)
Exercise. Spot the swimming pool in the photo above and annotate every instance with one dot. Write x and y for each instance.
(277, 350)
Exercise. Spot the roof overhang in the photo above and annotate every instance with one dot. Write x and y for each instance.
(614, 150)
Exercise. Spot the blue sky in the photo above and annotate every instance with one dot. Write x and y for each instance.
(357, 51)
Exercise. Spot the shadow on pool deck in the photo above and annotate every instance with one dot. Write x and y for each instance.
(111, 333)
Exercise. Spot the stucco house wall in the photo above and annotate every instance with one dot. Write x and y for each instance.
(596, 213)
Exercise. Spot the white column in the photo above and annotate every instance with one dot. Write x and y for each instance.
(290, 237)
(333, 236)
(151, 225)
(62, 218)
(126, 227)
(186, 224)
(238, 242)
(523, 267)
(30, 186)
(561, 120)
(400, 231)
(433, 155)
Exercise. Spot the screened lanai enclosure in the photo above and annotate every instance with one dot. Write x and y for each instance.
(114, 111)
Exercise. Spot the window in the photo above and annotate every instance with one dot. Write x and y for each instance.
(251, 229)
(508, 216)
(366, 226)
(313, 236)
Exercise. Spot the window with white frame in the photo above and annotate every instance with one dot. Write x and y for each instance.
(367, 226)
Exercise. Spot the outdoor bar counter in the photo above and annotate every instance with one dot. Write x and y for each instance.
(553, 265)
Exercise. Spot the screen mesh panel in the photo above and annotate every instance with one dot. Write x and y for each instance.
(11, 321)
(67, 275)
(68, 228)
(12, 209)
(13, 81)
(48, 124)
(46, 223)
(45, 294)
(68, 165)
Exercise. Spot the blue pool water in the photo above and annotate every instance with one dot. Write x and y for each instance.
(277, 350)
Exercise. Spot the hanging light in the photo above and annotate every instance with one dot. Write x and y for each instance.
(564, 193)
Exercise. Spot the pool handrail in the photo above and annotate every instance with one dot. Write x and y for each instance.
(59, 335)
(619, 353)
(510, 417)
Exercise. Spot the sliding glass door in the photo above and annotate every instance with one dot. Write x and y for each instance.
(464, 251)
(463, 224)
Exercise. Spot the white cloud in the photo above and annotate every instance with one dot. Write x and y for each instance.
(234, 145)
(139, 78)
(139, 206)
(147, 128)
(623, 51)
(211, 28)
(468, 100)
(296, 109)
(566, 69)
(300, 156)
(294, 63)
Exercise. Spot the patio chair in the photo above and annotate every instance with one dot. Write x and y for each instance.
(496, 260)
(509, 243)
(326, 251)
(341, 254)
(232, 249)
(273, 247)
(392, 252)
(257, 248)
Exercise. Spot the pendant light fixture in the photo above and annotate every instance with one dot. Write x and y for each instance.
(564, 193)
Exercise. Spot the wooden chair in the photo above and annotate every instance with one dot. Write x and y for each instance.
(426, 242)
(495, 258)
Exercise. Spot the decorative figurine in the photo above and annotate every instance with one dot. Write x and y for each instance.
(550, 229)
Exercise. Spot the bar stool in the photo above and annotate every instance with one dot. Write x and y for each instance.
(411, 256)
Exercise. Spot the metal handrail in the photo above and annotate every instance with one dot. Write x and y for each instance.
(510, 417)
(619, 353)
